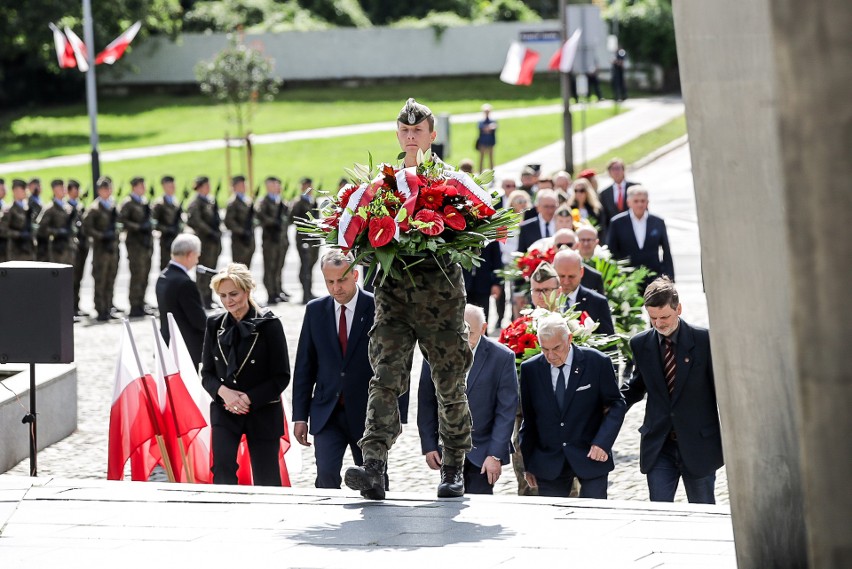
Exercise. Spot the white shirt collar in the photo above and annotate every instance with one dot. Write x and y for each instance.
(178, 265)
(566, 368)
(640, 219)
(350, 306)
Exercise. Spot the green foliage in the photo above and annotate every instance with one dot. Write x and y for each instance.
(504, 11)
(251, 15)
(238, 76)
(646, 30)
(345, 13)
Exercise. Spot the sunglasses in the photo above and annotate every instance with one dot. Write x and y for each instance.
(580, 191)
(561, 245)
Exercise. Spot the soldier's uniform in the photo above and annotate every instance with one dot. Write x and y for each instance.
(56, 231)
(305, 245)
(239, 219)
(17, 227)
(81, 251)
(167, 213)
(272, 214)
(135, 216)
(4, 242)
(99, 224)
(35, 207)
(203, 218)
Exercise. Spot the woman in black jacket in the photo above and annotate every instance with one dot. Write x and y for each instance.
(245, 367)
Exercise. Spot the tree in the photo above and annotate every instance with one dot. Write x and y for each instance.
(646, 31)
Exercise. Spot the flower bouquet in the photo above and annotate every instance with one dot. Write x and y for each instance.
(393, 218)
(524, 265)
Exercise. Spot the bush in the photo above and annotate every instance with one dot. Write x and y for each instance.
(505, 11)
(250, 15)
(345, 13)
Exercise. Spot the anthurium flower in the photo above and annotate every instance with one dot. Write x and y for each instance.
(436, 223)
(453, 219)
(382, 230)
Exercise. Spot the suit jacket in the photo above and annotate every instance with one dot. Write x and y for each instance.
(691, 410)
(610, 208)
(492, 394)
(322, 373)
(479, 280)
(596, 306)
(593, 280)
(623, 245)
(529, 233)
(549, 437)
(178, 294)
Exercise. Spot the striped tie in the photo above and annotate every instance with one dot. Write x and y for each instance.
(669, 366)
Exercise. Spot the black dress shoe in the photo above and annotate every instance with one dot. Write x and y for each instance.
(272, 300)
(368, 479)
(80, 314)
(452, 482)
(150, 310)
(284, 296)
(136, 313)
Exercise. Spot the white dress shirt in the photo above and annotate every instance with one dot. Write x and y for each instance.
(350, 313)
(640, 227)
(551, 226)
(554, 371)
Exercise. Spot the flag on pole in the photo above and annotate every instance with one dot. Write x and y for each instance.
(64, 52)
(182, 419)
(520, 65)
(117, 47)
(132, 419)
(563, 59)
(79, 48)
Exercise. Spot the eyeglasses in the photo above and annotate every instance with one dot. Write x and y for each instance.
(586, 240)
(561, 245)
(543, 290)
(579, 191)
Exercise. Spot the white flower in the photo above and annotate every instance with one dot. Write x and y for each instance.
(625, 308)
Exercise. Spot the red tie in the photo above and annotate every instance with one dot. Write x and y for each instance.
(620, 197)
(341, 331)
(669, 366)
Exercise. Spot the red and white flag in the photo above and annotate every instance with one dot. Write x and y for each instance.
(563, 59)
(133, 418)
(182, 418)
(79, 48)
(520, 65)
(64, 53)
(116, 48)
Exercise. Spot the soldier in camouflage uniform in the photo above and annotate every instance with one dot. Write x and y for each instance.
(35, 206)
(55, 227)
(99, 224)
(135, 216)
(82, 242)
(203, 218)
(429, 310)
(3, 241)
(305, 245)
(167, 215)
(17, 225)
(239, 219)
(273, 216)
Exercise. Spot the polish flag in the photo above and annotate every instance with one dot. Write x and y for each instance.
(64, 52)
(563, 59)
(116, 48)
(79, 49)
(520, 65)
(182, 419)
(133, 418)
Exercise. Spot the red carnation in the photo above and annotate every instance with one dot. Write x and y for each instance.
(345, 194)
(453, 218)
(382, 230)
(430, 198)
(431, 217)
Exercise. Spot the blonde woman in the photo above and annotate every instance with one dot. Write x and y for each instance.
(587, 203)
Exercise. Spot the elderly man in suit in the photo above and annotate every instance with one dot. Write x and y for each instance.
(614, 197)
(592, 279)
(573, 411)
(569, 266)
(177, 293)
(681, 434)
(641, 237)
(492, 394)
(543, 224)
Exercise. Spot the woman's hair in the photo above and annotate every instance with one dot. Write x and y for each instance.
(238, 274)
(592, 201)
(513, 197)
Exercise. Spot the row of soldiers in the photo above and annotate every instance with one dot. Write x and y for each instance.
(64, 231)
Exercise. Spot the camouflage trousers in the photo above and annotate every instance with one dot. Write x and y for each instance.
(430, 312)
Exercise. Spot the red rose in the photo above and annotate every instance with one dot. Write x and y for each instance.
(431, 217)
(430, 198)
(454, 219)
(382, 230)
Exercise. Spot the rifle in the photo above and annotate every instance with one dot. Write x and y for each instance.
(248, 233)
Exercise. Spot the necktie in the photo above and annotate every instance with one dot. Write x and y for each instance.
(669, 366)
(547, 229)
(620, 193)
(560, 389)
(341, 330)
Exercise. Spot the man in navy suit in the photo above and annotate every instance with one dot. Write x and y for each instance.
(543, 224)
(592, 279)
(332, 371)
(614, 197)
(492, 394)
(572, 414)
(569, 267)
(178, 294)
(681, 435)
(641, 237)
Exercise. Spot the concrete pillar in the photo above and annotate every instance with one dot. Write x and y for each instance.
(768, 92)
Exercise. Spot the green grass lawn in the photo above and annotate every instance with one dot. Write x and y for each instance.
(642, 145)
(322, 159)
(146, 119)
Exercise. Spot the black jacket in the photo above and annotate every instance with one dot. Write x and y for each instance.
(178, 294)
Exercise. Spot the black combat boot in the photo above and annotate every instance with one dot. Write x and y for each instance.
(452, 482)
(368, 479)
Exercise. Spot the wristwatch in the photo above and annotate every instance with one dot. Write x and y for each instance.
(496, 458)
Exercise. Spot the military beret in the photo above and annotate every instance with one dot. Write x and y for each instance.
(35, 181)
(72, 183)
(18, 183)
(167, 179)
(272, 179)
(200, 181)
(104, 182)
(413, 113)
(237, 179)
(544, 272)
(56, 182)
(136, 180)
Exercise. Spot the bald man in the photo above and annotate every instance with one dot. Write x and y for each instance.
(569, 268)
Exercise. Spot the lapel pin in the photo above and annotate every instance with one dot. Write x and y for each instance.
(686, 360)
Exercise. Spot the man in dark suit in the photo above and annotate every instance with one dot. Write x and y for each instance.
(333, 372)
(681, 434)
(592, 279)
(569, 267)
(541, 225)
(177, 293)
(481, 283)
(492, 394)
(641, 237)
(566, 432)
(614, 197)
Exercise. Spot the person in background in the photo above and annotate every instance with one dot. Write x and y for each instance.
(487, 139)
(167, 214)
(587, 204)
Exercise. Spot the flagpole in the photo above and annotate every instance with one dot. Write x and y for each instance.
(565, 82)
(190, 477)
(91, 89)
(167, 464)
